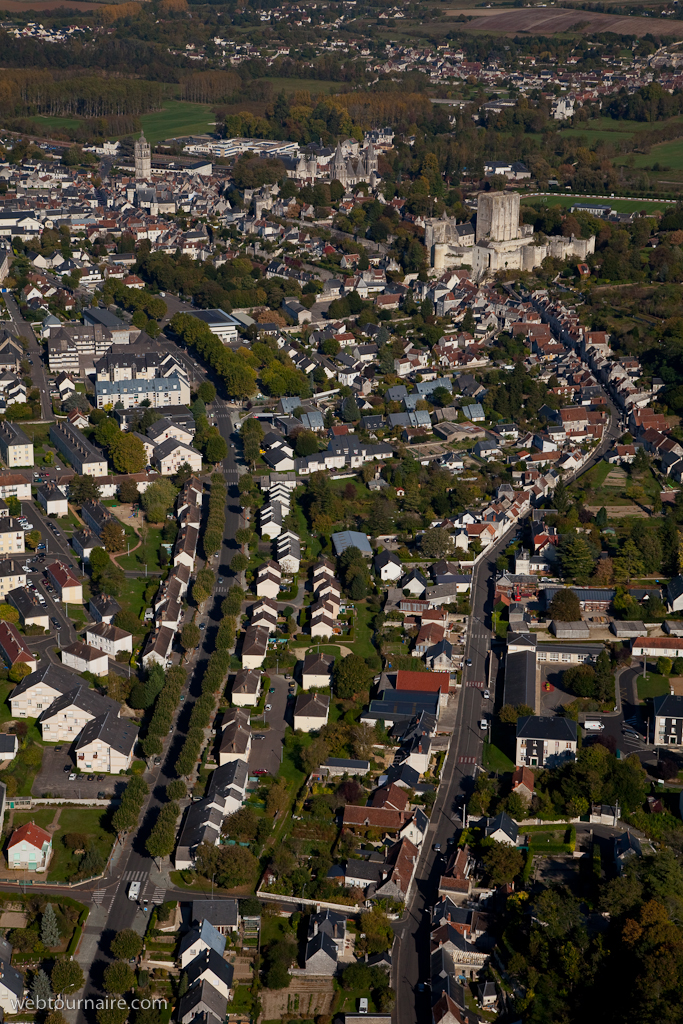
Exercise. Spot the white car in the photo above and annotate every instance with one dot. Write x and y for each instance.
(487, 695)
(269, 707)
(483, 724)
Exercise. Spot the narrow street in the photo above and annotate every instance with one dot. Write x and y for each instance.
(35, 353)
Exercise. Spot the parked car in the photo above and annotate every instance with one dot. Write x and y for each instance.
(268, 707)
(72, 777)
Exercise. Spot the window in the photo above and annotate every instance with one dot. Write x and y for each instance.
(566, 657)
(554, 656)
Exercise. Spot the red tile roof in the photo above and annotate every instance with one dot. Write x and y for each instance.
(373, 817)
(428, 682)
(32, 834)
(12, 645)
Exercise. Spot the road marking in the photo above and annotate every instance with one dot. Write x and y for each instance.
(136, 876)
(466, 759)
(99, 895)
(158, 895)
(478, 684)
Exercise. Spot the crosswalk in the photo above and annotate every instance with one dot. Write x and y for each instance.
(158, 895)
(466, 759)
(136, 876)
(477, 683)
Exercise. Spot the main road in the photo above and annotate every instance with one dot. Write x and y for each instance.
(412, 943)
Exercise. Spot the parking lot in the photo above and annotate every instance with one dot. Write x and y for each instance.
(52, 780)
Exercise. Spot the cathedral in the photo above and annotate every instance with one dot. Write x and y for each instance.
(350, 171)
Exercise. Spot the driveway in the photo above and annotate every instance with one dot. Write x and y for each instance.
(267, 753)
(53, 780)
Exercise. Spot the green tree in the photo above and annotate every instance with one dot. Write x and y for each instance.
(112, 536)
(239, 562)
(350, 411)
(190, 636)
(128, 454)
(601, 519)
(126, 944)
(629, 562)
(83, 488)
(176, 789)
(216, 448)
(67, 976)
(351, 675)
(33, 538)
(49, 928)
(207, 392)
(502, 863)
(158, 499)
(436, 543)
(107, 431)
(664, 666)
(41, 990)
(577, 558)
(561, 497)
(565, 606)
(118, 978)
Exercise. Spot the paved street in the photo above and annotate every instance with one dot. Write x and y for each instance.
(35, 353)
(411, 948)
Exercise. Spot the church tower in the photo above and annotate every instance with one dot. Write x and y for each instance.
(370, 160)
(339, 171)
(143, 158)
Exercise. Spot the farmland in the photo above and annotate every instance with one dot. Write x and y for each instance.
(551, 21)
(177, 118)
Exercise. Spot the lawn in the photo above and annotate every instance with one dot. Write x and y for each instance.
(147, 554)
(668, 155)
(178, 118)
(652, 686)
(622, 205)
(90, 821)
(599, 474)
(312, 85)
(56, 122)
(495, 760)
(132, 597)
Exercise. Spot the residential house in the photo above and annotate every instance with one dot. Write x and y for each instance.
(53, 500)
(235, 738)
(311, 712)
(82, 658)
(106, 744)
(317, 671)
(544, 742)
(198, 940)
(29, 849)
(68, 586)
(14, 649)
(109, 638)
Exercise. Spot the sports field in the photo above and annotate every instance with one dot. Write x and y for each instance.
(622, 205)
(178, 118)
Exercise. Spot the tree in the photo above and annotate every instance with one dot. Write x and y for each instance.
(18, 672)
(207, 392)
(190, 636)
(233, 865)
(41, 990)
(84, 488)
(128, 454)
(239, 562)
(604, 572)
(560, 497)
(378, 932)
(112, 536)
(502, 863)
(306, 443)
(565, 606)
(118, 978)
(350, 411)
(558, 910)
(67, 976)
(601, 519)
(112, 1014)
(128, 492)
(126, 944)
(13, 505)
(176, 789)
(577, 558)
(8, 613)
(33, 538)
(216, 448)
(509, 713)
(664, 666)
(107, 431)
(49, 928)
(629, 562)
(351, 676)
(158, 500)
(436, 543)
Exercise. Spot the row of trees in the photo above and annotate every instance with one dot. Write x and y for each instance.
(215, 523)
(164, 707)
(126, 815)
(238, 377)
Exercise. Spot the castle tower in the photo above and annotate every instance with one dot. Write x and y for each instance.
(497, 216)
(143, 158)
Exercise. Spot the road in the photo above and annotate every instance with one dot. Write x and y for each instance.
(35, 353)
(462, 764)
(113, 909)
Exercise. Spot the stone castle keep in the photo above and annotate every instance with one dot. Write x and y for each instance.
(500, 241)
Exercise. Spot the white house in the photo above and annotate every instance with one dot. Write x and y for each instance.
(311, 712)
(106, 744)
(82, 658)
(109, 638)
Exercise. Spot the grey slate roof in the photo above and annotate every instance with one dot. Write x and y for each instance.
(223, 913)
(537, 727)
(118, 733)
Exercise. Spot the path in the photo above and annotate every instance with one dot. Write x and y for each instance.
(128, 551)
(54, 824)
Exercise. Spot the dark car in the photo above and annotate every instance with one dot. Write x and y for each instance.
(91, 778)
(101, 796)
(100, 778)
(66, 768)
(55, 622)
(202, 625)
(57, 750)
(157, 760)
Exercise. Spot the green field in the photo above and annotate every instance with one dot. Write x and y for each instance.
(622, 205)
(666, 154)
(654, 686)
(56, 122)
(312, 85)
(178, 118)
